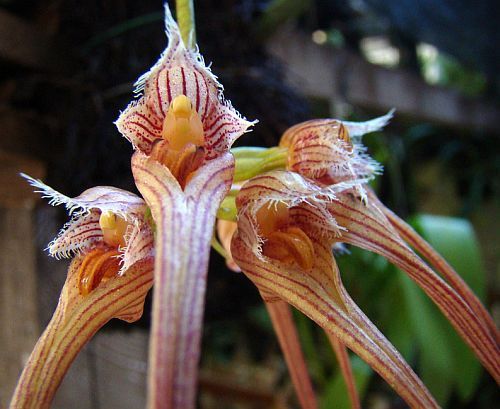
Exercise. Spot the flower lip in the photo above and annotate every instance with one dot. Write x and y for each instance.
(98, 266)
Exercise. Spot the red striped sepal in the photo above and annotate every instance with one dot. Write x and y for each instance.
(317, 291)
(368, 227)
(75, 321)
(184, 228)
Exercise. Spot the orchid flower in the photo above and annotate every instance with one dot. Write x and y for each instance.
(283, 244)
(111, 241)
(182, 129)
(288, 224)
(372, 226)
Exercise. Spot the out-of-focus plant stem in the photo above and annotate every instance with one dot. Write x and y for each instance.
(185, 19)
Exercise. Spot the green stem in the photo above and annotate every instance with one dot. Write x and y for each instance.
(251, 162)
(185, 20)
(227, 210)
(218, 247)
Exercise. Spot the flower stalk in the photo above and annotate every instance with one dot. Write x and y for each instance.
(251, 162)
(185, 19)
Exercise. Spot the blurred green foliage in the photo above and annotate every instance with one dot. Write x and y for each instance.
(441, 69)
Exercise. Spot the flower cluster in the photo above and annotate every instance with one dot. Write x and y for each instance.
(281, 213)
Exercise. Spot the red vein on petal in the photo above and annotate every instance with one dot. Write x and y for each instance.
(158, 93)
(85, 332)
(197, 105)
(281, 317)
(362, 320)
(150, 123)
(392, 238)
(183, 81)
(214, 121)
(207, 100)
(25, 382)
(80, 322)
(149, 135)
(328, 317)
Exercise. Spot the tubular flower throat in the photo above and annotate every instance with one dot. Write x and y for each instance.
(279, 220)
(182, 119)
(110, 276)
(284, 245)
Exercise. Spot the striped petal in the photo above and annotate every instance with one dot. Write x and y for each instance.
(319, 294)
(80, 234)
(441, 265)
(180, 71)
(346, 369)
(184, 227)
(322, 149)
(222, 127)
(368, 228)
(317, 291)
(139, 244)
(284, 327)
(76, 319)
(140, 125)
(104, 198)
(83, 231)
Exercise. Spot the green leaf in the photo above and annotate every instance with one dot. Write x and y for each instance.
(436, 360)
(455, 240)
(336, 396)
(395, 321)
